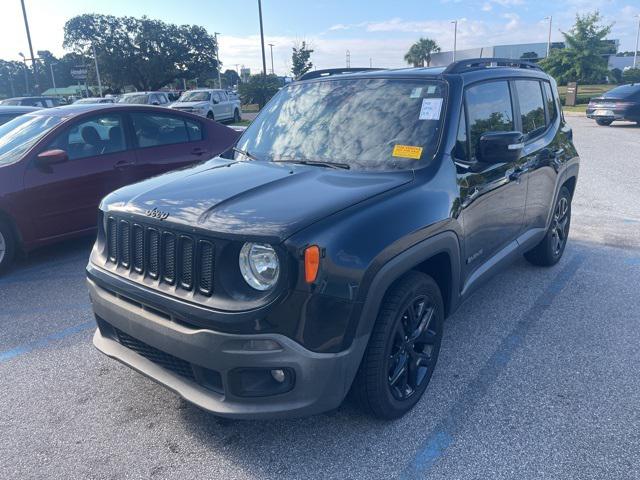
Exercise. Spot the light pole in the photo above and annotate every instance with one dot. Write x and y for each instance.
(26, 74)
(26, 26)
(264, 58)
(550, 18)
(271, 45)
(635, 54)
(455, 38)
(348, 59)
(53, 78)
(95, 59)
(215, 35)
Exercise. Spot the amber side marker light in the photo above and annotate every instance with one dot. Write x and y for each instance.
(311, 263)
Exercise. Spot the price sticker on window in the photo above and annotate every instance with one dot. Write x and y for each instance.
(430, 109)
(407, 151)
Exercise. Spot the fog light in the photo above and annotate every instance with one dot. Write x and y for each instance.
(278, 375)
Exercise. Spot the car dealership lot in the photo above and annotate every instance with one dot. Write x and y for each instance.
(538, 375)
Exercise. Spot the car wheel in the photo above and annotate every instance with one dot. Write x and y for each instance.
(403, 348)
(603, 123)
(7, 246)
(210, 116)
(549, 251)
(236, 116)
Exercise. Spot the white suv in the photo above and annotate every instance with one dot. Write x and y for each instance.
(213, 104)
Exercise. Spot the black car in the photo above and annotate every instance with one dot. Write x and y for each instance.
(620, 103)
(323, 253)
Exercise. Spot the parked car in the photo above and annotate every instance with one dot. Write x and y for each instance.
(56, 164)
(323, 254)
(9, 113)
(146, 98)
(42, 102)
(620, 103)
(93, 101)
(213, 104)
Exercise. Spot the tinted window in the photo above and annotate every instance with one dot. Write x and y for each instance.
(97, 136)
(624, 91)
(531, 106)
(153, 130)
(194, 129)
(552, 110)
(381, 124)
(489, 109)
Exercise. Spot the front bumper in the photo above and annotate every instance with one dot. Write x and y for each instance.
(199, 364)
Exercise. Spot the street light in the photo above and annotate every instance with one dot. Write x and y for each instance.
(53, 79)
(271, 45)
(95, 59)
(26, 26)
(455, 38)
(26, 74)
(635, 53)
(215, 35)
(264, 58)
(550, 18)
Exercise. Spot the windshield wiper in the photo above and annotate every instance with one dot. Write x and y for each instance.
(249, 155)
(317, 163)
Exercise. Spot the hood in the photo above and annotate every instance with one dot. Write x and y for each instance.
(190, 104)
(251, 199)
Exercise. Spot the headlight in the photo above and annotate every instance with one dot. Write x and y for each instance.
(259, 265)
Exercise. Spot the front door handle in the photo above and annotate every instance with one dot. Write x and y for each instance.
(199, 151)
(124, 164)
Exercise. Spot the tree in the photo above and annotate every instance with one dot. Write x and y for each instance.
(631, 75)
(529, 56)
(230, 78)
(421, 51)
(12, 79)
(615, 75)
(145, 53)
(300, 59)
(259, 89)
(583, 58)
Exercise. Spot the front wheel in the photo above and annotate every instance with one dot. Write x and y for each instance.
(549, 251)
(236, 116)
(210, 116)
(403, 348)
(7, 246)
(603, 122)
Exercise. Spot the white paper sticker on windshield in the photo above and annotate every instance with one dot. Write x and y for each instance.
(430, 109)
(416, 92)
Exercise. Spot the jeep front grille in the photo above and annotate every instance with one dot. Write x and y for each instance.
(172, 258)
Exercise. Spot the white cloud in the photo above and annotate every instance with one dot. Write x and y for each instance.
(487, 7)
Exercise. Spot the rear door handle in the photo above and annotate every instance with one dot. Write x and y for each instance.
(199, 151)
(124, 164)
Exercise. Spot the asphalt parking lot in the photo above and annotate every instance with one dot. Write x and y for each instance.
(539, 375)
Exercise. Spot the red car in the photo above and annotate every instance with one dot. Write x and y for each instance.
(57, 164)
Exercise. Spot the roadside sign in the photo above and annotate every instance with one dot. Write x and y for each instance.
(572, 94)
(79, 73)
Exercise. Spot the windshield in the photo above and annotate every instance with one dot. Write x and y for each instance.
(139, 99)
(195, 97)
(370, 124)
(21, 133)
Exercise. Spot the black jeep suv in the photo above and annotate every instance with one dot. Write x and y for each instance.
(323, 253)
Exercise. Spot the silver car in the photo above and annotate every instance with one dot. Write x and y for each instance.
(211, 103)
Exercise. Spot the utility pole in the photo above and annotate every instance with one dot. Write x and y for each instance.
(370, 62)
(348, 59)
(635, 54)
(455, 38)
(215, 35)
(26, 73)
(264, 58)
(271, 45)
(550, 18)
(53, 79)
(95, 60)
(26, 26)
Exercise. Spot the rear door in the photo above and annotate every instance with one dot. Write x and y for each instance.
(64, 198)
(219, 108)
(166, 141)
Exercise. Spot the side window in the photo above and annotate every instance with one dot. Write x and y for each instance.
(531, 107)
(461, 150)
(162, 99)
(489, 109)
(194, 129)
(154, 130)
(223, 97)
(97, 136)
(217, 97)
(552, 110)
(49, 103)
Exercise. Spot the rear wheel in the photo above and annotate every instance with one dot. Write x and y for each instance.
(549, 251)
(7, 246)
(236, 116)
(403, 348)
(603, 122)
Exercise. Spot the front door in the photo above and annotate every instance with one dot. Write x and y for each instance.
(492, 196)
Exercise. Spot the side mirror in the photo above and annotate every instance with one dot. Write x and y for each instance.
(52, 157)
(500, 147)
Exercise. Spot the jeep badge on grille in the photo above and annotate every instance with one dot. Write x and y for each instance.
(155, 213)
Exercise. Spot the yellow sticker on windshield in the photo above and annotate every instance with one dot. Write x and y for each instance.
(407, 151)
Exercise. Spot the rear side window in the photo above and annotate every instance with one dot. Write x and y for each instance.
(531, 107)
(552, 110)
(489, 109)
(97, 136)
(153, 130)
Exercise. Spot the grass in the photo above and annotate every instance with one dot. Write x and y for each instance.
(578, 108)
(242, 123)
(585, 93)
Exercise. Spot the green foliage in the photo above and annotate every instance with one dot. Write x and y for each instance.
(259, 89)
(230, 78)
(421, 51)
(300, 60)
(12, 82)
(631, 75)
(582, 60)
(145, 53)
(615, 75)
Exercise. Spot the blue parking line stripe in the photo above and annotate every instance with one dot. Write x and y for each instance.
(43, 342)
(443, 435)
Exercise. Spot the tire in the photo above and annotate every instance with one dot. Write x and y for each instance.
(210, 116)
(395, 370)
(7, 246)
(549, 251)
(603, 123)
(236, 116)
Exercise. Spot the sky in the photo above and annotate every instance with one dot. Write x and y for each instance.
(375, 32)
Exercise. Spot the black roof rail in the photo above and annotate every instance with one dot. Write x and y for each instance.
(328, 72)
(477, 63)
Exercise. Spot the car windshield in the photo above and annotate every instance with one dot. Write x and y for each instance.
(10, 102)
(195, 97)
(367, 124)
(139, 99)
(21, 133)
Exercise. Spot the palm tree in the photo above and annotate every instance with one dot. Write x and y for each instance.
(420, 52)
